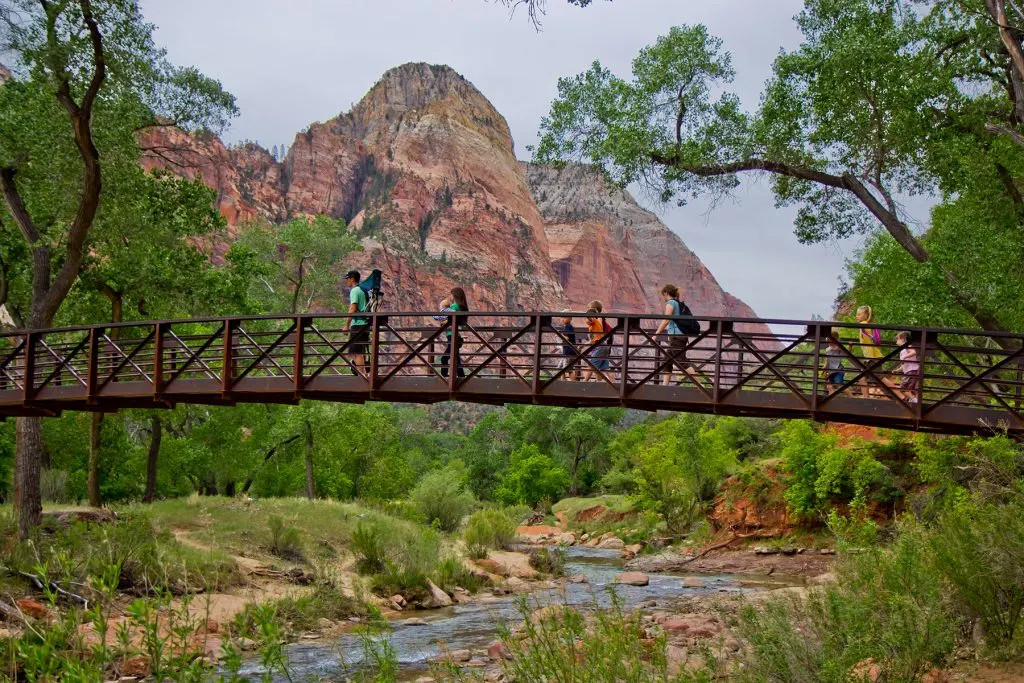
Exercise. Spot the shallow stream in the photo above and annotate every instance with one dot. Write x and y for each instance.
(475, 625)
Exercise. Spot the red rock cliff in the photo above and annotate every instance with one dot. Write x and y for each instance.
(424, 172)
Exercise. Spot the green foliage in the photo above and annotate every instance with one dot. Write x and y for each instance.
(488, 528)
(300, 614)
(820, 472)
(548, 560)
(285, 540)
(441, 498)
(981, 555)
(301, 262)
(566, 644)
(681, 468)
(148, 561)
(531, 477)
(888, 605)
(400, 555)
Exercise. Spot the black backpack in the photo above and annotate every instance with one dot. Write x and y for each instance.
(687, 324)
(371, 287)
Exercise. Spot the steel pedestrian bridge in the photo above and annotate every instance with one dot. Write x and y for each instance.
(970, 381)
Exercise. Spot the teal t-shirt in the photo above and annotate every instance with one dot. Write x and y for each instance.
(358, 297)
(673, 327)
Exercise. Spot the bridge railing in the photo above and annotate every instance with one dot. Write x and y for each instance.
(771, 367)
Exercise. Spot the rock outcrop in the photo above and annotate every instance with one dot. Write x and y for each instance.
(603, 242)
(424, 172)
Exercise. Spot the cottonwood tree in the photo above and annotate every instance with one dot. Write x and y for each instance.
(87, 80)
(869, 108)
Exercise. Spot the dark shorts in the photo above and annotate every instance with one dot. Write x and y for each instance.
(910, 382)
(359, 339)
(836, 378)
(677, 352)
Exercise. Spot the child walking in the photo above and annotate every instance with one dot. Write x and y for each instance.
(910, 369)
(832, 368)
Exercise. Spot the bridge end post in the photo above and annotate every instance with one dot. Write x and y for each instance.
(815, 332)
(375, 353)
(227, 359)
(158, 359)
(298, 359)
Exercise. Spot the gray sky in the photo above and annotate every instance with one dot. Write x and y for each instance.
(292, 62)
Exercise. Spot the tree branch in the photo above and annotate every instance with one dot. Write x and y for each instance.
(1000, 129)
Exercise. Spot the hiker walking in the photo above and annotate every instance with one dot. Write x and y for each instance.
(455, 303)
(910, 369)
(832, 366)
(677, 327)
(600, 351)
(871, 348)
(358, 327)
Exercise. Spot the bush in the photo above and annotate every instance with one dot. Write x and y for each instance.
(982, 557)
(285, 541)
(149, 562)
(303, 613)
(888, 605)
(400, 554)
(368, 545)
(451, 572)
(548, 560)
(442, 499)
(531, 477)
(488, 529)
(569, 645)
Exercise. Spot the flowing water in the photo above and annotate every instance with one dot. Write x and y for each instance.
(475, 625)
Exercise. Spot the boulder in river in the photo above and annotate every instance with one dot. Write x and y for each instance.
(693, 582)
(497, 651)
(633, 579)
(612, 543)
(438, 598)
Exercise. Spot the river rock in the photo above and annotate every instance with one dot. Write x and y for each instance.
(246, 644)
(324, 623)
(453, 656)
(585, 537)
(693, 582)
(33, 609)
(822, 579)
(498, 652)
(634, 549)
(612, 543)
(578, 578)
(593, 542)
(765, 550)
(866, 670)
(438, 598)
(633, 579)
(415, 621)
(565, 539)
(398, 601)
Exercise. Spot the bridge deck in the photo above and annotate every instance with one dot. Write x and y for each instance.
(969, 381)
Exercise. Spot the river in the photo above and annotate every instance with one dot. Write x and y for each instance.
(475, 625)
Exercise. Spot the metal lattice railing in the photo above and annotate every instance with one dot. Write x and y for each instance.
(966, 380)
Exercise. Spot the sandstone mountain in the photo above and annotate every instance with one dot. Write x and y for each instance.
(423, 170)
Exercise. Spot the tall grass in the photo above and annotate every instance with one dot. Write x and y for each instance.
(486, 529)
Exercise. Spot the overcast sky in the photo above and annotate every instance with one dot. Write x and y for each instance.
(292, 62)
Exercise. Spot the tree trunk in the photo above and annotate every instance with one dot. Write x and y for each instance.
(157, 431)
(95, 431)
(574, 488)
(270, 454)
(310, 489)
(28, 503)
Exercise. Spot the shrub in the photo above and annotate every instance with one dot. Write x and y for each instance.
(982, 557)
(549, 560)
(285, 541)
(149, 562)
(442, 499)
(368, 545)
(299, 614)
(488, 529)
(400, 554)
(887, 604)
(451, 572)
(531, 477)
(855, 530)
(569, 645)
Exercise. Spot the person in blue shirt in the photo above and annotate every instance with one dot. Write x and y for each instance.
(677, 340)
(357, 326)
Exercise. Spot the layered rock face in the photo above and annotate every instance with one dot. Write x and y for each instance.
(424, 172)
(602, 243)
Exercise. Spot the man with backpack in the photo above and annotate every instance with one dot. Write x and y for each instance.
(679, 327)
(358, 327)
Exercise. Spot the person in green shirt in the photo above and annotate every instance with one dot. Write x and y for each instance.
(455, 303)
(357, 326)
